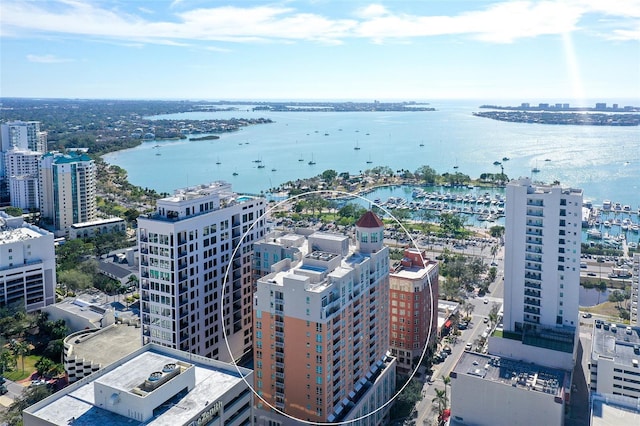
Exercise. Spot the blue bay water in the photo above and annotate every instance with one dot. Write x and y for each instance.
(603, 161)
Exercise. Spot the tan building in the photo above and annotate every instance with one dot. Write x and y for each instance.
(67, 189)
(413, 289)
(323, 311)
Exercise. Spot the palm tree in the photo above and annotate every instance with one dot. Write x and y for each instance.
(441, 400)
(21, 348)
(468, 308)
(446, 380)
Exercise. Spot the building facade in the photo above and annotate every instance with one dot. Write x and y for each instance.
(152, 386)
(27, 264)
(493, 391)
(413, 291)
(615, 354)
(67, 189)
(195, 260)
(542, 256)
(22, 168)
(635, 291)
(323, 310)
(97, 227)
(24, 135)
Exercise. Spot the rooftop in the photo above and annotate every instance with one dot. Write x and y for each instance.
(77, 403)
(121, 339)
(13, 235)
(617, 341)
(614, 410)
(369, 220)
(518, 374)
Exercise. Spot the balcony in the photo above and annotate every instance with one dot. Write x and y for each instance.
(537, 241)
(536, 203)
(530, 284)
(531, 267)
(532, 302)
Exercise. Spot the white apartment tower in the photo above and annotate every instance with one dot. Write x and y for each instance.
(21, 136)
(22, 174)
(25, 135)
(542, 256)
(321, 319)
(27, 264)
(67, 189)
(195, 252)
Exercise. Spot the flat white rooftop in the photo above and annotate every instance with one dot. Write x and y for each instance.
(76, 404)
(18, 234)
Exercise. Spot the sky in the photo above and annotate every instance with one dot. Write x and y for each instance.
(565, 50)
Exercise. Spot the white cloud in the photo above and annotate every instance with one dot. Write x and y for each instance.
(499, 22)
(47, 59)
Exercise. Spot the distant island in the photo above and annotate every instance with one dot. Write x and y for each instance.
(374, 106)
(568, 118)
(204, 138)
(565, 107)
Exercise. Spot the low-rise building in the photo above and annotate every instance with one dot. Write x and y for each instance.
(84, 352)
(488, 390)
(153, 386)
(615, 354)
(27, 264)
(80, 314)
(96, 227)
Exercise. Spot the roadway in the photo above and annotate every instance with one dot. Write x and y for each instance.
(427, 410)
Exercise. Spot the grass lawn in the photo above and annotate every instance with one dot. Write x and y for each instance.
(606, 309)
(29, 367)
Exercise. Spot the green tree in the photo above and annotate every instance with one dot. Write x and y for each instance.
(407, 399)
(131, 215)
(616, 297)
(13, 211)
(75, 279)
(452, 224)
(7, 360)
(496, 231)
(441, 400)
(44, 366)
(329, 175)
(427, 174)
(446, 380)
(493, 313)
(20, 348)
(13, 415)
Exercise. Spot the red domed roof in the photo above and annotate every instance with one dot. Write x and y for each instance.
(369, 220)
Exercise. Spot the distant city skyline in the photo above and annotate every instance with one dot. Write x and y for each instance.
(574, 51)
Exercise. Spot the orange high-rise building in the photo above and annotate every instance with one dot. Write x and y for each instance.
(321, 335)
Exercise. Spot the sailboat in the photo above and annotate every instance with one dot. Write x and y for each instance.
(301, 159)
(311, 163)
(357, 148)
(218, 162)
(535, 169)
(369, 160)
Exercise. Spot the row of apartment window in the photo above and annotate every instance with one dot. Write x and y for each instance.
(416, 305)
(404, 296)
(633, 373)
(401, 344)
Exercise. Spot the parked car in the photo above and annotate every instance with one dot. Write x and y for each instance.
(467, 347)
(586, 315)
